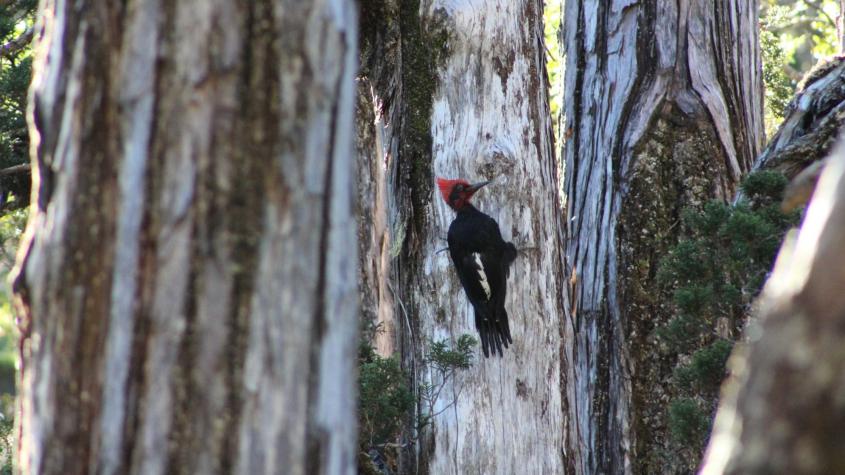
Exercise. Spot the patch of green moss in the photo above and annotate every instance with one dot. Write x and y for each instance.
(424, 46)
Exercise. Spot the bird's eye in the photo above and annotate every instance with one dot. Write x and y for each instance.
(459, 187)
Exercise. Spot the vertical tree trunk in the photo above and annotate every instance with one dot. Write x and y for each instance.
(840, 25)
(784, 407)
(458, 89)
(186, 288)
(663, 111)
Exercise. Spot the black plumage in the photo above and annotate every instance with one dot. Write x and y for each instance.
(482, 259)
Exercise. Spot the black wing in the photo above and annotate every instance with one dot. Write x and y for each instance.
(482, 260)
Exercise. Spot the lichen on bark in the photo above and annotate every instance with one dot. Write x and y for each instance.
(677, 165)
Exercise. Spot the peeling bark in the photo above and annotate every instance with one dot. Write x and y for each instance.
(663, 111)
(458, 89)
(783, 408)
(185, 285)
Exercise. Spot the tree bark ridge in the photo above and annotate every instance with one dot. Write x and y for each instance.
(185, 280)
(664, 113)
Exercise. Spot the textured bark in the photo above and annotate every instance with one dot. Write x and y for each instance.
(458, 89)
(186, 285)
(811, 122)
(811, 125)
(663, 111)
(783, 409)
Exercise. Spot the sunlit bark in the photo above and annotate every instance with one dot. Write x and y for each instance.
(186, 287)
(458, 89)
(663, 111)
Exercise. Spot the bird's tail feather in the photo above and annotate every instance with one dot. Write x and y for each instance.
(494, 331)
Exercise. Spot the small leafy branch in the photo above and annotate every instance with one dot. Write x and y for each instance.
(386, 401)
(443, 362)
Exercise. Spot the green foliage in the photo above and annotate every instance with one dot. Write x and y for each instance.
(385, 398)
(442, 358)
(16, 19)
(718, 269)
(688, 423)
(706, 370)
(443, 362)
(779, 87)
(7, 434)
(764, 187)
(681, 332)
(714, 273)
(805, 29)
(794, 36)
(11, 226)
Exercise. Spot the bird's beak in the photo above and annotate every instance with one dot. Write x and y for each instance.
(477, 186)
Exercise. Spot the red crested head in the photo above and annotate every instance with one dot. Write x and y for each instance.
(457, 193)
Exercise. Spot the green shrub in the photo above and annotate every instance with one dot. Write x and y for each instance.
(764, 187)
(384, 395)
(706, 368)
(713, 273)
(386, 401)
(681, 332)
(688, 423)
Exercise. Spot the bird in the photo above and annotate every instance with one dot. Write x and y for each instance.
(482, 260)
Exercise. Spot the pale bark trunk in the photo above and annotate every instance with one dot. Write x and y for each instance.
(458, 89)
(784, 407)
(186, 286)
(663, 111)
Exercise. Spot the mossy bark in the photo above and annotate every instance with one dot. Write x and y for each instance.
(185, 287)
(663, 111)
(783, 408)
(458, 89)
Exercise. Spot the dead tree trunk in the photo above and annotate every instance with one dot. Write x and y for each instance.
(458, 89)
(663, 111)
(784, 407)
(185, 286)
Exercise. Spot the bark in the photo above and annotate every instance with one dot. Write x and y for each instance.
(840, 25)
(782, 411)
(811, 125)
(663, 111)
(811, 122)
(185, 287)
(458, 89)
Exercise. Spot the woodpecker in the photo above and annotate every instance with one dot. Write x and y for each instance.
(482, 259)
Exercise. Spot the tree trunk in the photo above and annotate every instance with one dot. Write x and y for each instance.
(784, 407)
(458, 89)
(840, 25)
(812, 121)
(807, 134)
(185, 287)
(663, 111)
